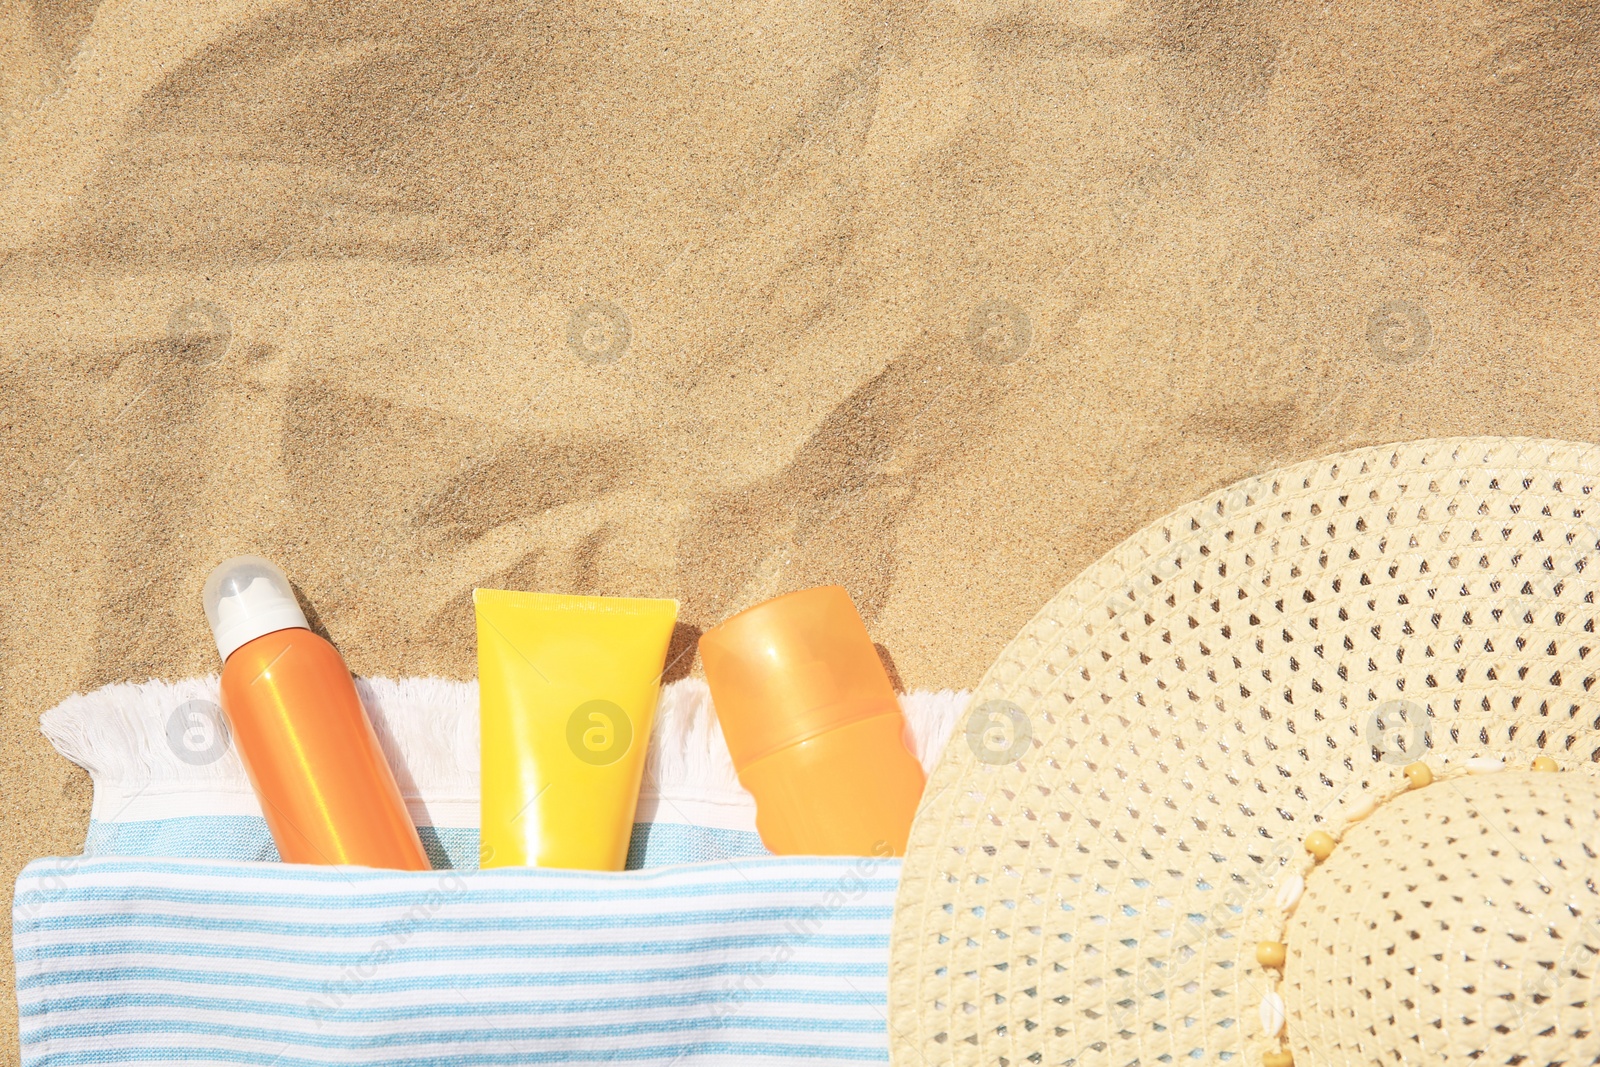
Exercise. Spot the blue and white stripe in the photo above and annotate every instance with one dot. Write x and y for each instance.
(746, 961)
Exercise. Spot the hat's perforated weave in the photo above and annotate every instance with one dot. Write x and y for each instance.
(1460, 923)
(1212, 690)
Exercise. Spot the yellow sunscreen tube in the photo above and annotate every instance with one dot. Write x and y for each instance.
(567, 689)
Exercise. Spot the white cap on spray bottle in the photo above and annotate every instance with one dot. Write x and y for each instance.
(246, 597)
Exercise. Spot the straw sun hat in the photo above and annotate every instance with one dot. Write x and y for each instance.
(1274, 779)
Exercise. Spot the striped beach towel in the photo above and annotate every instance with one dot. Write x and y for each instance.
(738, 962)
(178, 938)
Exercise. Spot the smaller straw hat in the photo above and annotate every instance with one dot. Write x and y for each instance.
(1304, 773)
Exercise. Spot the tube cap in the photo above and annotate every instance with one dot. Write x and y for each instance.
(246, 597)
(792, 668)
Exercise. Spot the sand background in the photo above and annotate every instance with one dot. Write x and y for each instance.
(714, 301)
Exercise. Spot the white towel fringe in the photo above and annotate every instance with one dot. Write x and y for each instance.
(129, 737)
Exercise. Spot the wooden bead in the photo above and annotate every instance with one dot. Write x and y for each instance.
(1544, 763)
(1281, 1058)
(1271, 953)
(1320, 844)
(1418, 775)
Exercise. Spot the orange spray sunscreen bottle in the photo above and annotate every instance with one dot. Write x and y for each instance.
(813, 726)
(326, 790)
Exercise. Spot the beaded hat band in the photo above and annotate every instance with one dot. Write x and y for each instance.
(1117, 861)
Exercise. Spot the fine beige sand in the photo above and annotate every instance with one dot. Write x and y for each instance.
(938, 301)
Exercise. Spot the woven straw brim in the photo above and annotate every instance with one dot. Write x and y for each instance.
(1144, 760)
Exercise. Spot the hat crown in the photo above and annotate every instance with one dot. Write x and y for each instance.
(1460, 921)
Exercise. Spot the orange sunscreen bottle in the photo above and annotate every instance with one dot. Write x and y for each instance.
(813, 726)
(325, 788)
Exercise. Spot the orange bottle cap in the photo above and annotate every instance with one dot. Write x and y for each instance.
(792, 668)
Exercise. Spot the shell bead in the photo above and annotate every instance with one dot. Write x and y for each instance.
(1272, 1015)
(1361, 807)
(1289, 892)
